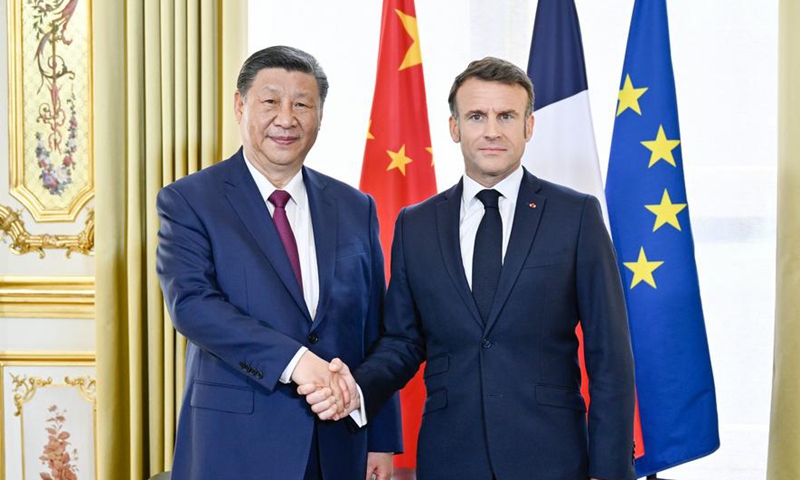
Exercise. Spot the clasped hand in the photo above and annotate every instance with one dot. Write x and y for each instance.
(329, 388)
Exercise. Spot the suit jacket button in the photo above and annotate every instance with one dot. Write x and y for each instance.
(259, 375)
(313, 338)
(486, 343)
(242, 365)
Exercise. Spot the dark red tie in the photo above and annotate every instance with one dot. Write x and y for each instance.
(279, 199)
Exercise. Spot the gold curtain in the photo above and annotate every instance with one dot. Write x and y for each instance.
(165, 73)
(784, 435)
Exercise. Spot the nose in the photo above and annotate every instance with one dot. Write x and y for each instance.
(491, 132)
(285, 117)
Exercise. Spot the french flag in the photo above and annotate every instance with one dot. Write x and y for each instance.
(563, 148)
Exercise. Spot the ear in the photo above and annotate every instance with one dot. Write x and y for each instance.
(529, 127)
(238, 106)
(455, 133)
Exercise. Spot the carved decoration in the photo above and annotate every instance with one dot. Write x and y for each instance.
(25, 388)
(87, 386)
(21, 241)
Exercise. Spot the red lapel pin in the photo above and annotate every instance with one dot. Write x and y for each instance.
(532, 205)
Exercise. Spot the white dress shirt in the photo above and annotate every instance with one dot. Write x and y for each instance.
(472, 212)
(298, 213)
(299, 216)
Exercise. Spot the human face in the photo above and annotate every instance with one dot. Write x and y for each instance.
(492, 128)
(278, 119)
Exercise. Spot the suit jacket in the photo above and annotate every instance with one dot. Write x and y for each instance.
(503, 398)
(230, 290)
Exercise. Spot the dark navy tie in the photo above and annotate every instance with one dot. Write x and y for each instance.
(279, 199)
(487, 258)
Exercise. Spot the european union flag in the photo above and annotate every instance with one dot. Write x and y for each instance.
(649, 217)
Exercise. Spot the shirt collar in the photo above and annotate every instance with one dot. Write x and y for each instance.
(508, 188)
(296, 187)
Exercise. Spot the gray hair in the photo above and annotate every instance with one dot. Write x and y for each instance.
(288, 58)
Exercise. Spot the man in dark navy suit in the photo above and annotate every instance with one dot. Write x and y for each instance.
(489, 281)
(270, 269)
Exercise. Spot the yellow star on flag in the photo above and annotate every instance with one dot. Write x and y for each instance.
(430, 150)
(399, 160)
(666, 212)
(629, 97)
(642, 269)
(661, 148)
(369, 131)
(413, 54)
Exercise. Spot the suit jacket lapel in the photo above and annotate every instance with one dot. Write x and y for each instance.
(243, 194)
(447, 220)
(325, 222)
(527, 214)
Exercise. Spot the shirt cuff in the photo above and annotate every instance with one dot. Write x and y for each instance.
(360, 416)
(286, 376)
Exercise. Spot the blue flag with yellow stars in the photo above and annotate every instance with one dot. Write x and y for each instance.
(649, 218)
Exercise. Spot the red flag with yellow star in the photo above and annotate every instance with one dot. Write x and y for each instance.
(398, 160)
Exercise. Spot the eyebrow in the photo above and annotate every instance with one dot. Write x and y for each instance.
(483, 112)
(472, 112)
(509, 111)
(275, 91)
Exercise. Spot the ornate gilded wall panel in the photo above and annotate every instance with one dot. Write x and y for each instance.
(50, 93)
(48, 416)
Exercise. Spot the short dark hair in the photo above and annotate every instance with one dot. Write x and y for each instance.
(492, 69)
(280, 56)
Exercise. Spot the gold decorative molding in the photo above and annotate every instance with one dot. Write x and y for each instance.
(87, 386)
(22, 242)
(51, 167)
(42, 357)
(25, 388)
(47, 297)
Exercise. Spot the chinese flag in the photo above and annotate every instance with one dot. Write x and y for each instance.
(398, 160)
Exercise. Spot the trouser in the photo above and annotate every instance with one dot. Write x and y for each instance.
(314, 470)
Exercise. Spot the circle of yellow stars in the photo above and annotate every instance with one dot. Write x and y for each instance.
(666, 212)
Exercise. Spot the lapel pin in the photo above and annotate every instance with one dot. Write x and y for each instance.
(532, 205)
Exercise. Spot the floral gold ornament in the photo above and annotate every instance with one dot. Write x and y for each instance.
(51, 163)
(25, 388)
(13, 232)
(87, 386)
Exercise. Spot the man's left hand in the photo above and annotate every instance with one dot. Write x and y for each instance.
(326, 405)
(379, 464)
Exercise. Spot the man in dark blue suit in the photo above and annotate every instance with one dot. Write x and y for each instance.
(489, 281)
(270, 269)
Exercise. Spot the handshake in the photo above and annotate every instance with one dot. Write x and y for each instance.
(329, 388)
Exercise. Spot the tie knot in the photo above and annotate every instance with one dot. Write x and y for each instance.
(488, 197)
(279, 198)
